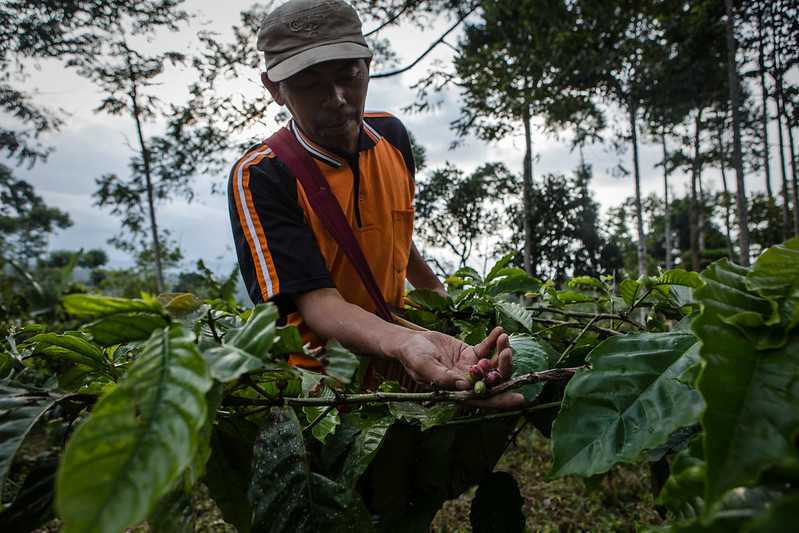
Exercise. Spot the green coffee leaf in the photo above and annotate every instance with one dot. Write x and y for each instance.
(513, 316)
(680, 277)
(589, 281)
(256, 335)
(499, 269)
(630, 291)
(746, 389)
(330, 418)
(429, 299)
(287, 496)
(121, 328)
(530, 355)
(372, 432)
(438, 414)
(630, 401)
(98, 306)
(20, 409)
(32, 506)
(228, 469)
(514, 281)
(72, 347)
(139, 439)
(338, 362)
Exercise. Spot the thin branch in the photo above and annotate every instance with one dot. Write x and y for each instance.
(554, 374)
(429, 49)
(212, 326)
(598, 329)
(503, 414)
(579, 314)
(318, 419)
(573, 343)
(247, 380)
(388, 22)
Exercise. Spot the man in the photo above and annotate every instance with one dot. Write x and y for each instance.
(317, 65)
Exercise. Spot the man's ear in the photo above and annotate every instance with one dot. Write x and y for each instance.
(273, 88)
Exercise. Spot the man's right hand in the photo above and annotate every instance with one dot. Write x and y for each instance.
(431, 356)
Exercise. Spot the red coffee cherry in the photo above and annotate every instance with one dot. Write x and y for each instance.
(486, 365)
(493, 378)
(476, 373)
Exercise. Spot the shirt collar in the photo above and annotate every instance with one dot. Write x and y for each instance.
(336, 157)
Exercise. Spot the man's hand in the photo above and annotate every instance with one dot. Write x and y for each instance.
(432, 356)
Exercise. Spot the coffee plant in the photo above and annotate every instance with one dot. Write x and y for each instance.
(146, 399)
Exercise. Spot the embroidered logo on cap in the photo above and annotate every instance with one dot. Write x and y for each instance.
(307, 23)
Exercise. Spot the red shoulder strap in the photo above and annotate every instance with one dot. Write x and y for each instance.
(324, 204)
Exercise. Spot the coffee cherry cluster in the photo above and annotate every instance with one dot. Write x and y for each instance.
(484, 375)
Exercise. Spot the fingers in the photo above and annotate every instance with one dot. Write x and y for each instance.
(503, 359)
(487, 345)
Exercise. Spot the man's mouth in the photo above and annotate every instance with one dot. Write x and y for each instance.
(339, 123)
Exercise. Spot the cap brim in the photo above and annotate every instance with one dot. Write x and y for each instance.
(319, 54)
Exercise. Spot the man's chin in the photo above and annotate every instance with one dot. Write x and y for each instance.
(344, 136)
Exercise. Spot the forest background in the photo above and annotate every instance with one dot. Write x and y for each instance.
(593, 137)
(593, 140)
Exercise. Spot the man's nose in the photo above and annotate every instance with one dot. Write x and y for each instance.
(334, 97)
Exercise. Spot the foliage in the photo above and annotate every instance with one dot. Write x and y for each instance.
(26, 222)
(456, 211)
(567, 238)
(176, 391)
(29, 298)
(31, 29)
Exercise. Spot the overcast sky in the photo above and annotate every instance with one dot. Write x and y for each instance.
(91, 145)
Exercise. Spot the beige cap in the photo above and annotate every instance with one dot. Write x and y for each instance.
(302, 33)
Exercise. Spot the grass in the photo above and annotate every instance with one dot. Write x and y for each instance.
(622, 502)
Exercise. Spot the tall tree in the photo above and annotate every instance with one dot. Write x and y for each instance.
(792, 121)
(567, 239)
(735, 109)
(688, 79)
(513, 65)
(125, 74)
(625, 35)
(760, 8)
(31, 30)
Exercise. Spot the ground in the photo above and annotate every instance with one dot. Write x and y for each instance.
(622, 502)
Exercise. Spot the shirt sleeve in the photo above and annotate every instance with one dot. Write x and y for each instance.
(276, 250)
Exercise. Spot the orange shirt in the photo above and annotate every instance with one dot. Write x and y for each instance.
(282, 246)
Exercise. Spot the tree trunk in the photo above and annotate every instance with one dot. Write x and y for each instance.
(795, 182)
(701, 211)
(527, 192)
(694, 215)
(725, 193)
(666, 206)
(786, 213)
(159, 275)
(735, 105)
(761, 61)
(639, 212)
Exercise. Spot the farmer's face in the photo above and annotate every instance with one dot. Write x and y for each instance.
(327, 100)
